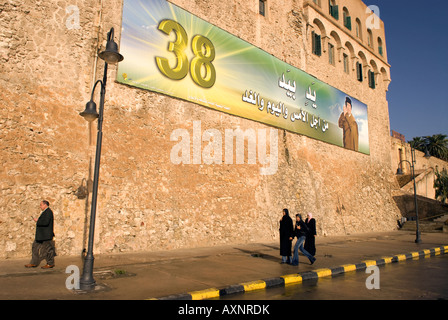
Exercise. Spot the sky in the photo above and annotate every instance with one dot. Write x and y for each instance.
(417, 50)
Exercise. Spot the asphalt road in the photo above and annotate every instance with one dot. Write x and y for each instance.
(424, 279)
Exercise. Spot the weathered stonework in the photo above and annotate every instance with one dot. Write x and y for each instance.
(145, 201)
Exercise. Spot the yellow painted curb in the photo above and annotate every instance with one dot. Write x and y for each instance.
(387, 259)
(324, 272)
(292, 278)
(254, 285)
(415, 255)
(204, 294)
(349, 267)
(401, 257)
(369, 263)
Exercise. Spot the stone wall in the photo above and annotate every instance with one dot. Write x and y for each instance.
(146, 202)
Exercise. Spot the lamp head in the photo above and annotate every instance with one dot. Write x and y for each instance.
(399, 171)
(111, 54)
(90, 113)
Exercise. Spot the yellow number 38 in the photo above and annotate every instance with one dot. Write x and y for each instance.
(202, 71)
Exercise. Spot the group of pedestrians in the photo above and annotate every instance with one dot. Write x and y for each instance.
(304, 231)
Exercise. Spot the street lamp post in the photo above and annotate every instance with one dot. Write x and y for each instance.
(400, 172)
(110, 56)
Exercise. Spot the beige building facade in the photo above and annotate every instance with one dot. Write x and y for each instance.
(49, 64)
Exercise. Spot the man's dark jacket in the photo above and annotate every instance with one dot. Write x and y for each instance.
(44, 226)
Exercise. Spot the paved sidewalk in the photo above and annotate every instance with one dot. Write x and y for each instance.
(173, 273)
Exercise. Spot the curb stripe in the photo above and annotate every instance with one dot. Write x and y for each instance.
(231, 290)
(360, 266)
(308, 275)
(337, 270)
(369, 263)
(349, 267)
(324, 272)
(297, 278)
(292, 278)
(274, 282)
(254, 285)
(399, 257)
(182, 296)
(204, 294)
(388, 259)
(421, 254)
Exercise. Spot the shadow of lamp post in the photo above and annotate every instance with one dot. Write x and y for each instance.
(110, 56)
(400, 172)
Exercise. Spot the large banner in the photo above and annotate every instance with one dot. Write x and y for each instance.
(171, 51)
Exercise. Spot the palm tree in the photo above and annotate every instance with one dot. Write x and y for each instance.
(441, 185)
(418, 143)
(438, 146)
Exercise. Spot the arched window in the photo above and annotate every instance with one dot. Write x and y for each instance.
(360, 66)
(369, 38)
(349, 57)
(385, 78)
(331, 54)
(262, 7)
(334, 9)
(317, 35)
(358, 28)
(334, 48)
(359, 71)
(371, 76)
(380, 46)
(347, 18)
(346, 63)
(316, 43)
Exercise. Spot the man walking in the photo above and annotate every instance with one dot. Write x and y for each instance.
(43, 245)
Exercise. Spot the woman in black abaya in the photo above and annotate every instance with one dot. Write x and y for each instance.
(310, 241)
(286, 236)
